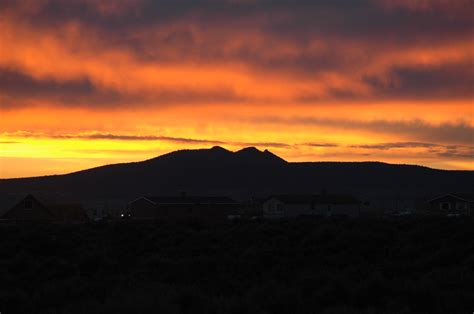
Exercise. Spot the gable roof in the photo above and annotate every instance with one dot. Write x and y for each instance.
(336, 199)
(8, 201)
(58, 210)
(68, 211)
(190, 200)
(460, 196)
(294, 198)
(316, 199)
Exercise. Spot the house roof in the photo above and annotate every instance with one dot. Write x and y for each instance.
(190, 200)
(7, 201)
(464, 196)
(336, 199)
(60, 210)
(317, 199)
(461, 196)
(67, 211)
(294, 198)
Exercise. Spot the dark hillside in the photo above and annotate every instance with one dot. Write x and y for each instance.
(242, 174)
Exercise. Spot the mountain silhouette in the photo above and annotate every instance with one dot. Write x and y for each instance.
(245, 173)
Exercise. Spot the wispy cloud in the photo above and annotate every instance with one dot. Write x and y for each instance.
(446, 151)
(126, 137)
(9, 142)
(458, 132)
(385, 146)
(326, 145)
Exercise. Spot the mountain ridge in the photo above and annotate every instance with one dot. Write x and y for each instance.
(244, 173)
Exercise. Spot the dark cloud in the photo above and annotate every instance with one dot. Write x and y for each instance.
(18, 89)
(321, 144)
(353, 17)
(385, 146)
(446, 151)
(16, 85)
(459, 132)
(457, 155)
(262, 144)
(109, 136)
(446, 81)
(124, 137)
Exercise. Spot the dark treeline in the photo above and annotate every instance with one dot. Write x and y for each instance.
(399, 265)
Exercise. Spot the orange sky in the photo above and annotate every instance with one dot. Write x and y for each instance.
(95, 82)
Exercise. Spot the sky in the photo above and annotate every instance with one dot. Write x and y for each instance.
(90, 82)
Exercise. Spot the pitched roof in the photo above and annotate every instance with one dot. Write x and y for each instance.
(462, 196)
(336, 199)
(294, 198)
(68, 211)
(59, 210)
(190, 200)
(7, 201)
(317, 199)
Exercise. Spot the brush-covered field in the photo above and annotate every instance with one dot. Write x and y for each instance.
(397, 265)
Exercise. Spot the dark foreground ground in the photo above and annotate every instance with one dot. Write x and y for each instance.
(409, 265)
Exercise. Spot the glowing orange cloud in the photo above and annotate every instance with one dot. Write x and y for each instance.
(75, 52)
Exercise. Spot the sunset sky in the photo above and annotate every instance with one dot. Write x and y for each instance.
(88, 82)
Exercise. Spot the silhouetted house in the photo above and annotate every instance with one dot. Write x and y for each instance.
(337, 205)
(252, 208)
(182, 207)
(31, 208)
(104, 208)
(452, 204)
(278, 206)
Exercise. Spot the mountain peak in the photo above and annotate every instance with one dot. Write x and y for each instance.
(255, 155)
(219, 149)
(249, 150)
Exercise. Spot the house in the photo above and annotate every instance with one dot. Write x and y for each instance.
(278, 206)
(337, 205)
(100, 209)
(252, 208)
(452, 204)
(31, 208)
(174, 208)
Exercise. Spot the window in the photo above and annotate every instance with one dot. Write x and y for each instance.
(461, 206)
(28, 204)
(273, 207)
(445, 206)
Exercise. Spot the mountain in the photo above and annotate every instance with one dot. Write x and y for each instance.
(245, 173)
